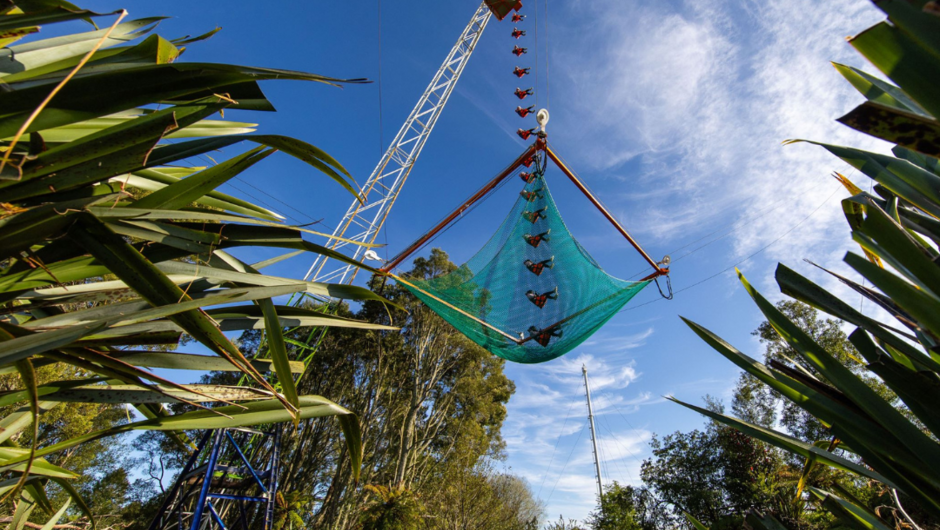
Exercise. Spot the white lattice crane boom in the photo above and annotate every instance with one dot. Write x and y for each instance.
(363, 221)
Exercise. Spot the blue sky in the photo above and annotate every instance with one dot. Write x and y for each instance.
(672, 111)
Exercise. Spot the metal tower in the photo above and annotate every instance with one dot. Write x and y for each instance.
(229, 482)
(363, 221)
(597, 462)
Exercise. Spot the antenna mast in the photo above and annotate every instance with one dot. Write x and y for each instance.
(597, 463)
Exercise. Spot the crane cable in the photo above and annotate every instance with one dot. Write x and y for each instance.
(557, 440)
(748, 258)
(562, 472)
(381, 131)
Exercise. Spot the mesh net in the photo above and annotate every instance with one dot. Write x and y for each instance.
(531, 281)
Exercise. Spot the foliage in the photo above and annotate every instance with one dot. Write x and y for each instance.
(431, 404)
(628, 508)
(869, 434)
(562, 524)
(717, 475)
(390, 509)
(111, 248)
(480, 498)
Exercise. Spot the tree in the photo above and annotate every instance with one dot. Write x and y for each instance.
(431, 403)
(619, 509)
(685, 472)
(480, 498)
(562, 524)
(390, 509)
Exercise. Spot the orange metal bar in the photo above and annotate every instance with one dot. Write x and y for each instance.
(482, 192)
(623, 231)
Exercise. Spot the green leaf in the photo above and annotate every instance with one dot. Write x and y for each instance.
(187, 361)
(277, 259)
(153, 180)
(106, 90)
(119, 149)
(906, 129)
(919, 390)
(14, 422)
(48, 55)
(898, 430)
(189, 40)
(255, 413)
(924, 308)
(50, 16)
(901, 58)
(139, 311)
(851, 514)
(353, 435)
(914, 184)
(15, 349)
(695, 522)
(13, 459)
(302, 150)
(25, 506)
(915, 22)
(920, 160)
(152, 284)
(109, 214)
(50, 524)
(793, 284)
(896, 247)
(196, 186)
(788, 443)
(75, 496)
(119, 394)
(879, 91)
(275, 339)
(345, 292)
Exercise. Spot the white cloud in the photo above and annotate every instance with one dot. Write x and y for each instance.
(683, 106)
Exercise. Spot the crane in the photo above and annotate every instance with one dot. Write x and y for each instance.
(363, 220)
(199, 494)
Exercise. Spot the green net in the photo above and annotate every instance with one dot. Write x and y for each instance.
(532, 293)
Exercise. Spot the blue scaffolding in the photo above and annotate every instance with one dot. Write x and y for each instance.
(229, 482)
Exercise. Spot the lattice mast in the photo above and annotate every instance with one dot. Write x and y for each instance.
(363, 221)
(597, 462)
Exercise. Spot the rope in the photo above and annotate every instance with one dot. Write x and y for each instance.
(735, 225)
(245, 182)
(536, 55)
(548, 94)
(733, 266)
(381, 129)
(618, 466)
(573, 447)
(635, 457)
(557, 440)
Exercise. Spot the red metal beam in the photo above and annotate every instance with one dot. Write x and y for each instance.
(482, 192)
(659, 271)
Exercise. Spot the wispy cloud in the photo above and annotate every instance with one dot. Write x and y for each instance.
(677, 111)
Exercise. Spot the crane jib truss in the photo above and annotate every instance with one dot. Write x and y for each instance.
(363, 221)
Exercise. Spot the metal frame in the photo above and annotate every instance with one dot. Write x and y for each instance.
(539, 145)
(365, 219)
(197, 499)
